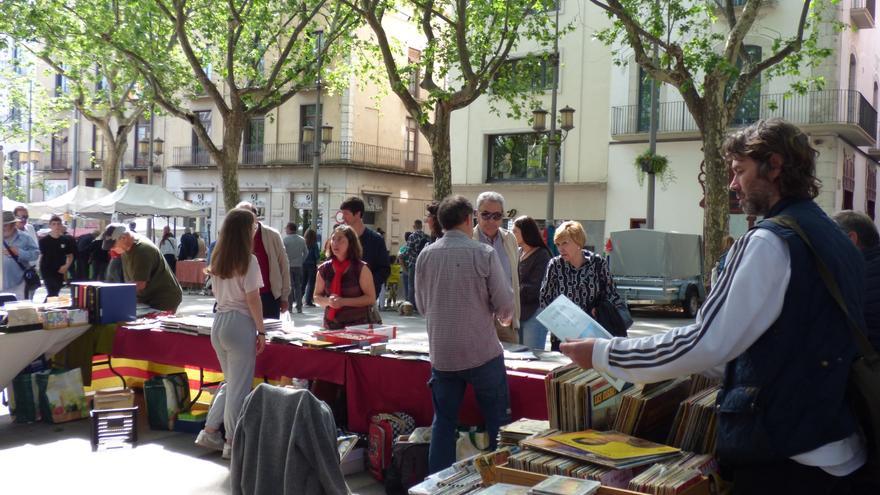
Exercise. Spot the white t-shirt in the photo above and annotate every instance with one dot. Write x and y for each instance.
(230, 292)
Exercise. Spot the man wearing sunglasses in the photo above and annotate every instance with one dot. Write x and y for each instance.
(490, 212)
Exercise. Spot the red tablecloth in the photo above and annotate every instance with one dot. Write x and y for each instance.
(372, 383)
(191, 272)
(276, 360)
(376, 384)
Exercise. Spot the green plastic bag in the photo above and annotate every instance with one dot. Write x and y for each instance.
(24, 398)
(166, 397)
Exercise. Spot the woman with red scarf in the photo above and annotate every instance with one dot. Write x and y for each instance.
(344, 287)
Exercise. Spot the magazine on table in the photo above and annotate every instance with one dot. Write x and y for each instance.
(567, 321)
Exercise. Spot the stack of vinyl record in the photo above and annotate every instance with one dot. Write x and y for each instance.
(694, 426)
(674, 477)
(648, 411)
(578, 399)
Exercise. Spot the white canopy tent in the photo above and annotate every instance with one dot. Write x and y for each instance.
(69, 202)
(141, 200)
(11, 205)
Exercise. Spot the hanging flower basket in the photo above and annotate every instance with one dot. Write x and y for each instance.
(648, 163)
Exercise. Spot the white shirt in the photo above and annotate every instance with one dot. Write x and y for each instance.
(230, 292)
(728, 331)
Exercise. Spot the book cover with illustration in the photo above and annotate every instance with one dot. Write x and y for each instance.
(612, 444)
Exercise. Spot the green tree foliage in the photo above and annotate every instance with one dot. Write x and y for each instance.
(25, 100)
(246, 56)
(468, 44)
(97, 80)
(703, 56)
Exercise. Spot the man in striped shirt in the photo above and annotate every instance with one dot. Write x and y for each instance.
(771, 328)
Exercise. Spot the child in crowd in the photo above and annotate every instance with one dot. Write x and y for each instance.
(391, 284)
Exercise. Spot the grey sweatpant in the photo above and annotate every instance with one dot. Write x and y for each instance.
(234, 337)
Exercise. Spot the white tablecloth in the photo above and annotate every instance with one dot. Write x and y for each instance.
(17, 350)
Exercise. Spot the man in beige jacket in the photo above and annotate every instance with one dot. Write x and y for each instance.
(270, 253)
(490, 212)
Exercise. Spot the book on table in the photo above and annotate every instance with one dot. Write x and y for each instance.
(565, 485)
(606, 448)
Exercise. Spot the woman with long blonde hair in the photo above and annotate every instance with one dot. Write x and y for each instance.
(238, 334)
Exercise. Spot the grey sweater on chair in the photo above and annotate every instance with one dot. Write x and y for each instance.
(285, 444)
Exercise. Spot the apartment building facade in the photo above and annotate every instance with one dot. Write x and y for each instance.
(493, 152)
(376, 152)
(841, 120)
(598, 184)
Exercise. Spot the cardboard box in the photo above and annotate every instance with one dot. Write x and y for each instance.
(113, 398)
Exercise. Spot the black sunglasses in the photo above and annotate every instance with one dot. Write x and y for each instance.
(488, 215)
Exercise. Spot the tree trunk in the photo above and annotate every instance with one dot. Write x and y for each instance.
(112, 163)
(716, 219)
(438, 139)
(227, 159)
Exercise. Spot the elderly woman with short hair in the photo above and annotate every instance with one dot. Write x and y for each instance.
(579, 274)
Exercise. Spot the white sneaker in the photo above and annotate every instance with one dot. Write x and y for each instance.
(227, 451)
(210, 440)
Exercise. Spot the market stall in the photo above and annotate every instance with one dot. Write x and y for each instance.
(68, 203)
(139, 200)
(372, 383)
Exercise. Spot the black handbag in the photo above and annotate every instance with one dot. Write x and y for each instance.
(613, 317)
(31, 277)
(864, 375)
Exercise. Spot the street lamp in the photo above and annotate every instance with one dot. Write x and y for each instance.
(539, 125)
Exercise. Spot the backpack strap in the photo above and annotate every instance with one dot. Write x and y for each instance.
(865, 348)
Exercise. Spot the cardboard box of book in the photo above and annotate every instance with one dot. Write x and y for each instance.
(115, 398)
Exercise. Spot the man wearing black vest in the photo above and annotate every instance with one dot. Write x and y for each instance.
(771, 329)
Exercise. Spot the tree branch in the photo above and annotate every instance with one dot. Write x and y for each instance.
(753, 70)
(179, 21)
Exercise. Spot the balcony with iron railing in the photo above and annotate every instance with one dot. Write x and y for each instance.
(845, 112)
(290, 154)
(863, 13)
(62, 161)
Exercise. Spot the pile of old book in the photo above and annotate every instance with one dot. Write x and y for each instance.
(514, 433)
(201, 325)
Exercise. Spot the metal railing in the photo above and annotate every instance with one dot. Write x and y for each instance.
(348, 152)
(831, 106)
(61, 161)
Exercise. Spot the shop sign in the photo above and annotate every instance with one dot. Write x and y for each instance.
(372, 203)
(303, 201)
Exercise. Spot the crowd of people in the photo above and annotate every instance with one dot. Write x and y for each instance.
(769, 328)
(118, 254)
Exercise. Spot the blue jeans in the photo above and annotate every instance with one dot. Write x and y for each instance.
(404, 279)
(447, 391)
(534, 333)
